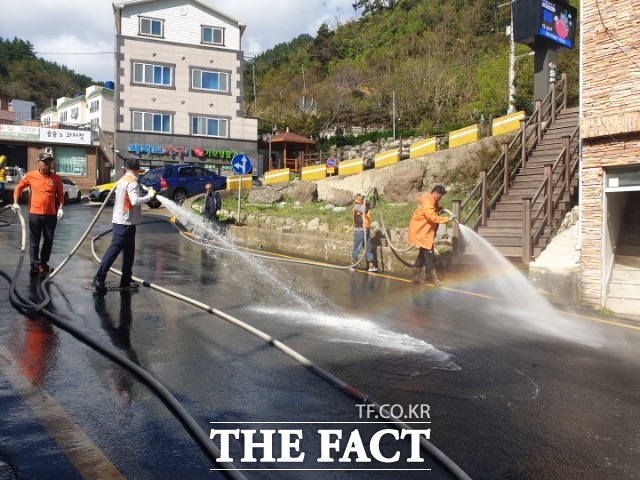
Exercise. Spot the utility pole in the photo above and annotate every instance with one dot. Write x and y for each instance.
(512, 68)
(512, 60)
(393, 96)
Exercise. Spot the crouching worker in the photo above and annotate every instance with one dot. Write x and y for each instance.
(127, 213)
(422, 231)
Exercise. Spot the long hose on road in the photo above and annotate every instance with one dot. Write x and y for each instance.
(187, 420)
(302, 360)
(228, 469)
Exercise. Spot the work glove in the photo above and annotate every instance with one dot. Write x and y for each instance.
(152, 191)
(60, 213)
(15, 207)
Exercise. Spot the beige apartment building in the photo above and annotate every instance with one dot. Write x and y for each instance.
(610, 174)
(179, 85)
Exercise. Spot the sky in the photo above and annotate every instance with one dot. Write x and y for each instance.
(80, 34)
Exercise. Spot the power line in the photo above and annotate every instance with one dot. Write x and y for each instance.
(74, 53)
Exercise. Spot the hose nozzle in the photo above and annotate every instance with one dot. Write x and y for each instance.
(452, 216)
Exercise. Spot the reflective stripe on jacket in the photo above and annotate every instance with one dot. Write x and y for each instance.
(127, 208)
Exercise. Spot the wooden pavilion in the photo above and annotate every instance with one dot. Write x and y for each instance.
(295, 148)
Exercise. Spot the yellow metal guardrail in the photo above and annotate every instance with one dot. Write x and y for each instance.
(384, 159)
(234, 180)
(423, 147)
(463, 136)
(506, 124)
(351, 167)
(313, 172)
(277, 176)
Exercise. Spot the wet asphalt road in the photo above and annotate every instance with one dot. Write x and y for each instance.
(514, 389)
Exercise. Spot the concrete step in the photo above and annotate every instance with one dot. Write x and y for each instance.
(627, 262)
(623, 305)
(623, 289)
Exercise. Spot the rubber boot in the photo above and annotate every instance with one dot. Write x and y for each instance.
(417, 275)
(434, 278)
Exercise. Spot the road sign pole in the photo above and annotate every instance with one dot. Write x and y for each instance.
(241, 165)
(239, 194)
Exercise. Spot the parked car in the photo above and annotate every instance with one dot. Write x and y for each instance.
(179, 182)
(13, 175)
(71, 190)
(100, 192)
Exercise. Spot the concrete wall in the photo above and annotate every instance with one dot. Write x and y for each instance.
(325, 247)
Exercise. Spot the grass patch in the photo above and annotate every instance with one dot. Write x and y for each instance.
(394, 215)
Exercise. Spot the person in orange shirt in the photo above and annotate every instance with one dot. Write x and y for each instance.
(422, 231)
(46, 198)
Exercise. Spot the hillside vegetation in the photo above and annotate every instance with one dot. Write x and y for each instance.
(443, 63)
(446, 63)
(23, 76)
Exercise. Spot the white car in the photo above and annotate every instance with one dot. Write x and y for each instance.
(72, 192)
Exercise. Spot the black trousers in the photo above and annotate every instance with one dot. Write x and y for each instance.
(426, 258)
(41, 227)
(123, 240)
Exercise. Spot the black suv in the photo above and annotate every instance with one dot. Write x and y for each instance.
(179, 182)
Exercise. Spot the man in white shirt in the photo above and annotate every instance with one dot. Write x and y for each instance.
(127, 213)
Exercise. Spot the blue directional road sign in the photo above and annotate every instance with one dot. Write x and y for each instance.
(241, 164)
(331, 162)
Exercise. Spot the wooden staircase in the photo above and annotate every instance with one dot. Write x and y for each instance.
(504, 228)
(521, 200)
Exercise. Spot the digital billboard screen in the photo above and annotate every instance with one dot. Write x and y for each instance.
(544, 23)
(558, 22)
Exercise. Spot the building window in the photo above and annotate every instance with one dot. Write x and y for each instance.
(150, 26)
(95, 128)
(94, 106)
(213, 35)
(210, 126)
(46, 121)
(214, 81)
(63, 117)
(74, 112)
(71, 161)
(151, 122)
(152, 74)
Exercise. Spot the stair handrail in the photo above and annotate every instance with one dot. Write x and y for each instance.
(557, 185)
(475, 208)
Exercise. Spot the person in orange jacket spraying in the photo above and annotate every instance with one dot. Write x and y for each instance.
(46, 198)
(422, 231)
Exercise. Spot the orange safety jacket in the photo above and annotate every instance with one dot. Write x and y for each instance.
(46, 193)
(424, 222)
(361, 217)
